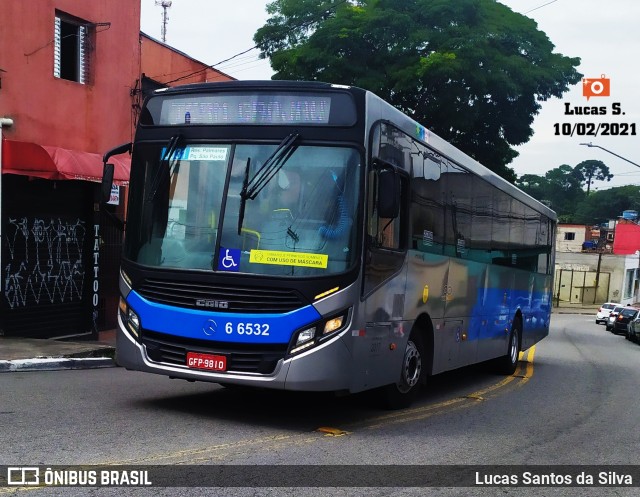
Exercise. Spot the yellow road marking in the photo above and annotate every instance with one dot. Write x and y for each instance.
(332, 432)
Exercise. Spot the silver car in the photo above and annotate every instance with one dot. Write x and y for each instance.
(633, 329)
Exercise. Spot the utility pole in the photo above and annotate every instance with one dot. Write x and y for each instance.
(165, 4)
(595, 291)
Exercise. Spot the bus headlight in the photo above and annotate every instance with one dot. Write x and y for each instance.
(304, 340)
(129, 317)
(313, 335)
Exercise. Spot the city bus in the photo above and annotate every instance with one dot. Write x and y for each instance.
(309, 236)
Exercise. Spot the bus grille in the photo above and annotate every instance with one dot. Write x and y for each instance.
(241, 358)
(219, 298)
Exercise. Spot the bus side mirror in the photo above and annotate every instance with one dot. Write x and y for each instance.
(107, 181)
(388, 194)
(108, 170)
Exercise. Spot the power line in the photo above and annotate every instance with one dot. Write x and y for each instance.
(540, 6)
(301, 25)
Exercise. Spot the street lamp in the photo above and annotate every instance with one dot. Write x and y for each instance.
(612, 153)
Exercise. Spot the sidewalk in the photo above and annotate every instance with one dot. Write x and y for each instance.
(31, 354)
(567, 308)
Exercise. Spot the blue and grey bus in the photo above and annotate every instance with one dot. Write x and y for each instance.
(309, 236)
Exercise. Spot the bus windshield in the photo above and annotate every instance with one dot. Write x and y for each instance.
(189, 208)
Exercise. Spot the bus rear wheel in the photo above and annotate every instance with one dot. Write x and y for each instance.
(403, 393)
(508, 363)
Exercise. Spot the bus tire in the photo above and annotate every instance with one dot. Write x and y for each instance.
(508, 363)
(403, 393)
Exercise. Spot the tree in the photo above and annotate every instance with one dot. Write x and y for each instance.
(534, 185)
(564, 190)
(472, 71)
(593, 170)
(603, 205)
(560, 188)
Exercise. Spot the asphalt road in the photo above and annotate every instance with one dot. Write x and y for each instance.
(573, 401)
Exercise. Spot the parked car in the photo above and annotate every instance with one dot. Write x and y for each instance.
(633, 330)
(603, 313)
(612, 317)
(621, 322)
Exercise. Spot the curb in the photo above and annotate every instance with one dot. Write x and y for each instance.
(56, 364)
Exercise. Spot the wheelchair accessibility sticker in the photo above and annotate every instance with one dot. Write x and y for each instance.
(229, 259)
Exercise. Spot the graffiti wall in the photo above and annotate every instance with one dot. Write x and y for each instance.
(46, 263)
(43, 261)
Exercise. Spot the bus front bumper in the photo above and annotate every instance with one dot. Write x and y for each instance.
(326, 367)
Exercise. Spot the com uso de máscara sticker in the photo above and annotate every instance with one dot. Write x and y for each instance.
(280, 258)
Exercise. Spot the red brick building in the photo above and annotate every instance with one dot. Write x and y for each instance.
(71, 81)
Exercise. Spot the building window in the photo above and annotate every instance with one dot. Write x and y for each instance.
(628, 283)
(71, 49)
(569, 236)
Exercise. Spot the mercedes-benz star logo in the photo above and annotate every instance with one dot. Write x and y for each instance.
(209, 327)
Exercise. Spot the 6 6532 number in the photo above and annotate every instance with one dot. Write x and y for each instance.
(256, 329)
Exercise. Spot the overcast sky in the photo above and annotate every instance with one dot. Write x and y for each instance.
(605, 35)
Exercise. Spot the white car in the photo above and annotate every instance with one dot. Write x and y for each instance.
(603, 313)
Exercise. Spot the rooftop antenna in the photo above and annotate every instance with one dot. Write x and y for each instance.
(165, 4)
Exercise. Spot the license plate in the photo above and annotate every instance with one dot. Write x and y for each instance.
(207, 362)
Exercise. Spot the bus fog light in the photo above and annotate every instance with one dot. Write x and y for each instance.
(333, 325)
(133, 322)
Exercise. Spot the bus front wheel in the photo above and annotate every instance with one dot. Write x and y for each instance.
(402, 393)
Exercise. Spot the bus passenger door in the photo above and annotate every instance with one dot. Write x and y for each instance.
(379, 352)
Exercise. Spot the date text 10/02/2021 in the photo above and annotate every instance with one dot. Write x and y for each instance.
(592, 128)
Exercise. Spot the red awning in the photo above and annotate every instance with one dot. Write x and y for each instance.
(55, 163)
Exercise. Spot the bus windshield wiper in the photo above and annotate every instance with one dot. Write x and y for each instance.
(252, 187)
(271, 167)
(165, 165)
(245, 181)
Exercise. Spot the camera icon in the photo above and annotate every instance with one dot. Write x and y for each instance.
(596, 87)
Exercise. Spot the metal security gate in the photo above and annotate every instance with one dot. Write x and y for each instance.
(46, 250)
(580, 287)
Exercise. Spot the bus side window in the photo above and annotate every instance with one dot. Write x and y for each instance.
(385, 233)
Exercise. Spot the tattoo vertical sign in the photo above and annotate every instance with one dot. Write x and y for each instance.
(95, 298)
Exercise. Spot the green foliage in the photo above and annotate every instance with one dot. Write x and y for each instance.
(561, 189)
(604, 205)
(472, 71)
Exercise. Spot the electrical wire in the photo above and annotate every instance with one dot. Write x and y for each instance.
(540, 6)
(213, 66)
